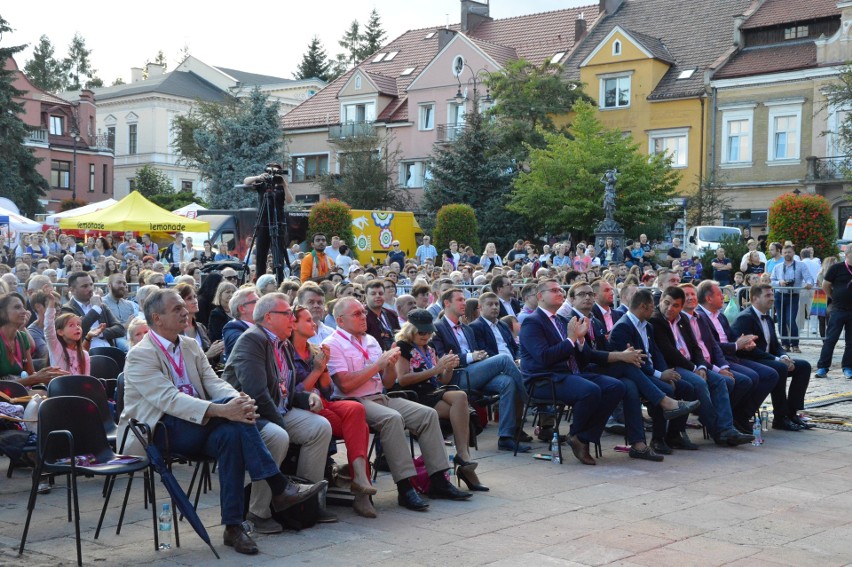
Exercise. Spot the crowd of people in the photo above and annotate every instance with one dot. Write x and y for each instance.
(240, 370)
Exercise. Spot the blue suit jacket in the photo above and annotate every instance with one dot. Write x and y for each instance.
(717, 356)
(747, 323)
(595, 351)
(614, 313)
(485, 337)
(543, 350)
(729, 348)
(445, 340)
(625, 333)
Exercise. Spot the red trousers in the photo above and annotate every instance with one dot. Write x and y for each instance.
(349, 422)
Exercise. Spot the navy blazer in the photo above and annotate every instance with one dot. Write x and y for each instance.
(543, 350)
(717, 356)
(729, 348)
(596, 351)
(485, 337)
(516, 305)
(598, 314)
(377, 330)
(444, 340)
(747, 323)
(666, 342)
(625, 333)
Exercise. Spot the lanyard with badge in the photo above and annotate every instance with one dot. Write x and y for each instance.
(181, 381)
(284, 374)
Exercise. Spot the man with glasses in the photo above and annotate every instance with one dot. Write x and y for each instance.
(426, 251)
(261, 365)
(230, 275)
(157, 279)
(509, 305)
(317, 264)
(362, 371)
(241, 307)
(396, 255)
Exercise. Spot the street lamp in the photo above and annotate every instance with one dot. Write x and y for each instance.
(474, 77)
(75, 134)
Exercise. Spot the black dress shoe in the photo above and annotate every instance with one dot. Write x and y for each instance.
(546, 435)
(525, 437)
(508, 444)
(660, 447)
(681, 442)
(648, 454)
(785, 424)
(411, 500)
(742, 426)
(682, 409)
(803, 424)
(237, 538)
(447, 491)
(732, 438)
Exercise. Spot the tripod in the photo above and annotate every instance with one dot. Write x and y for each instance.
(268, 233)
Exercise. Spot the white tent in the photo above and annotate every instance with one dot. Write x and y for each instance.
(190, 211)
(18, 223)
(53, 220)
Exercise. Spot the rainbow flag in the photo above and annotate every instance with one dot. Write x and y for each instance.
(818, 307)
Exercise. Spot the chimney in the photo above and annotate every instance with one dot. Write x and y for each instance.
(580, 28)
(154, 69)
(739, 20)
(472, 14)
(444, 37)
(136, 74)
(610, 6)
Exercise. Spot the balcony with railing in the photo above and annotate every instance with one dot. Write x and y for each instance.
(448, 133)
(829, 169)
(38, 136)
(350, 130)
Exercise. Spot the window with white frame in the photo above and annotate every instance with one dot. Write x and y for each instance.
(615, 91)
(616, 47)
(412, 174)
(56, 123)
(737, 136)
(672, 143)
(427, 116)
(359, 112)
(785, 130)
(308, 168)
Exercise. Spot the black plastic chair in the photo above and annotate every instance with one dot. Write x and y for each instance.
(116, 354)
(86, 387)
(376, 443)
(70, 427)
(547, 405)
(105, 369)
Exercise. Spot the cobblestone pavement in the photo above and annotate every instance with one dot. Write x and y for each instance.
(784, 503)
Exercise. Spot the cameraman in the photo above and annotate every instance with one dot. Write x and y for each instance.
(274, 175)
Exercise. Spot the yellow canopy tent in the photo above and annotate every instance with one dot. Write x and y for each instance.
(135, 213)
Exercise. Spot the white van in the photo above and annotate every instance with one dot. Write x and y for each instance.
(700, 238)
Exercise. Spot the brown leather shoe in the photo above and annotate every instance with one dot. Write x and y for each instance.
(296, 493)
(363, 507)
(581, 451)
(238, 539)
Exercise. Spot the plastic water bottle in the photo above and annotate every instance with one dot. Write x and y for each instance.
(554, 450)
(452, 470)
(764, 418)
(166, 527)
(757, 432)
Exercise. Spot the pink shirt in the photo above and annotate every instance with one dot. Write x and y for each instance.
(350, 355)
(57, 348)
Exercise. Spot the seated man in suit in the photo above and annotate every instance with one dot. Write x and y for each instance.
(492, 374)
(382, 323)
(509, 305)
(755, 321)
(602, 309)
(88, 305)
(711, 302)
(261, 365)
(168, 379)
(597, 356)
(675, 340)
(490, 332)
(551, 345)
(361, 371)
(241, 308)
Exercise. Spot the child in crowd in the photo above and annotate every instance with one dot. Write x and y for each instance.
(66, 346)
(739, 280)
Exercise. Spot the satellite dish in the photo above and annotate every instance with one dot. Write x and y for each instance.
(9, 205)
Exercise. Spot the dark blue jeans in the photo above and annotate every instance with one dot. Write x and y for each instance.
(237, 447)
(786, 309)
(837, 322)
(715, 411)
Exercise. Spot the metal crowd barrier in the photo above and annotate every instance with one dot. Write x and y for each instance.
(791, 313)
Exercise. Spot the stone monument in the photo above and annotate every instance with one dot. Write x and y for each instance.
(609, 228)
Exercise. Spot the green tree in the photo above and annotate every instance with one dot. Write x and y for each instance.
(331, 217)
(563, 189)
(351, 43)
(456, 222)
(314, 62)
(805, 220)
(373, 37)
(369, 166)
(475, 171)
(71, 204)
(176, 200)
(19, 180)
(228, 142)
(708, 204)
(78, 68)
(526, 99)
(44, 70)
(151, 181)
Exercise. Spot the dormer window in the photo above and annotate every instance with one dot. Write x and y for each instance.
(616, 47)
(795, 32)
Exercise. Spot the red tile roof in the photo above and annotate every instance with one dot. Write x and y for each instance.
(536, 37)
(770, 59)
(777, 12)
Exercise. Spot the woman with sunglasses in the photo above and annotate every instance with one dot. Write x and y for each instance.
(196, 330)
(419, 369)
(347, 418)
(221, 314)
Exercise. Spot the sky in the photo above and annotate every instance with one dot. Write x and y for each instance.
(250, 35)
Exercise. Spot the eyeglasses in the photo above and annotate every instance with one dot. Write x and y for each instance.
(287, 313)
(424, 333)
(558, 290)
(584, 294)
(250, 302)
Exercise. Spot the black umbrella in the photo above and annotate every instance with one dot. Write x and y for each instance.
(178, 496)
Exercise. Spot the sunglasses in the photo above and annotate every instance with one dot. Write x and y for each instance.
(230, 278)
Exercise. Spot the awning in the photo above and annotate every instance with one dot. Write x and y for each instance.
(135, 213)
